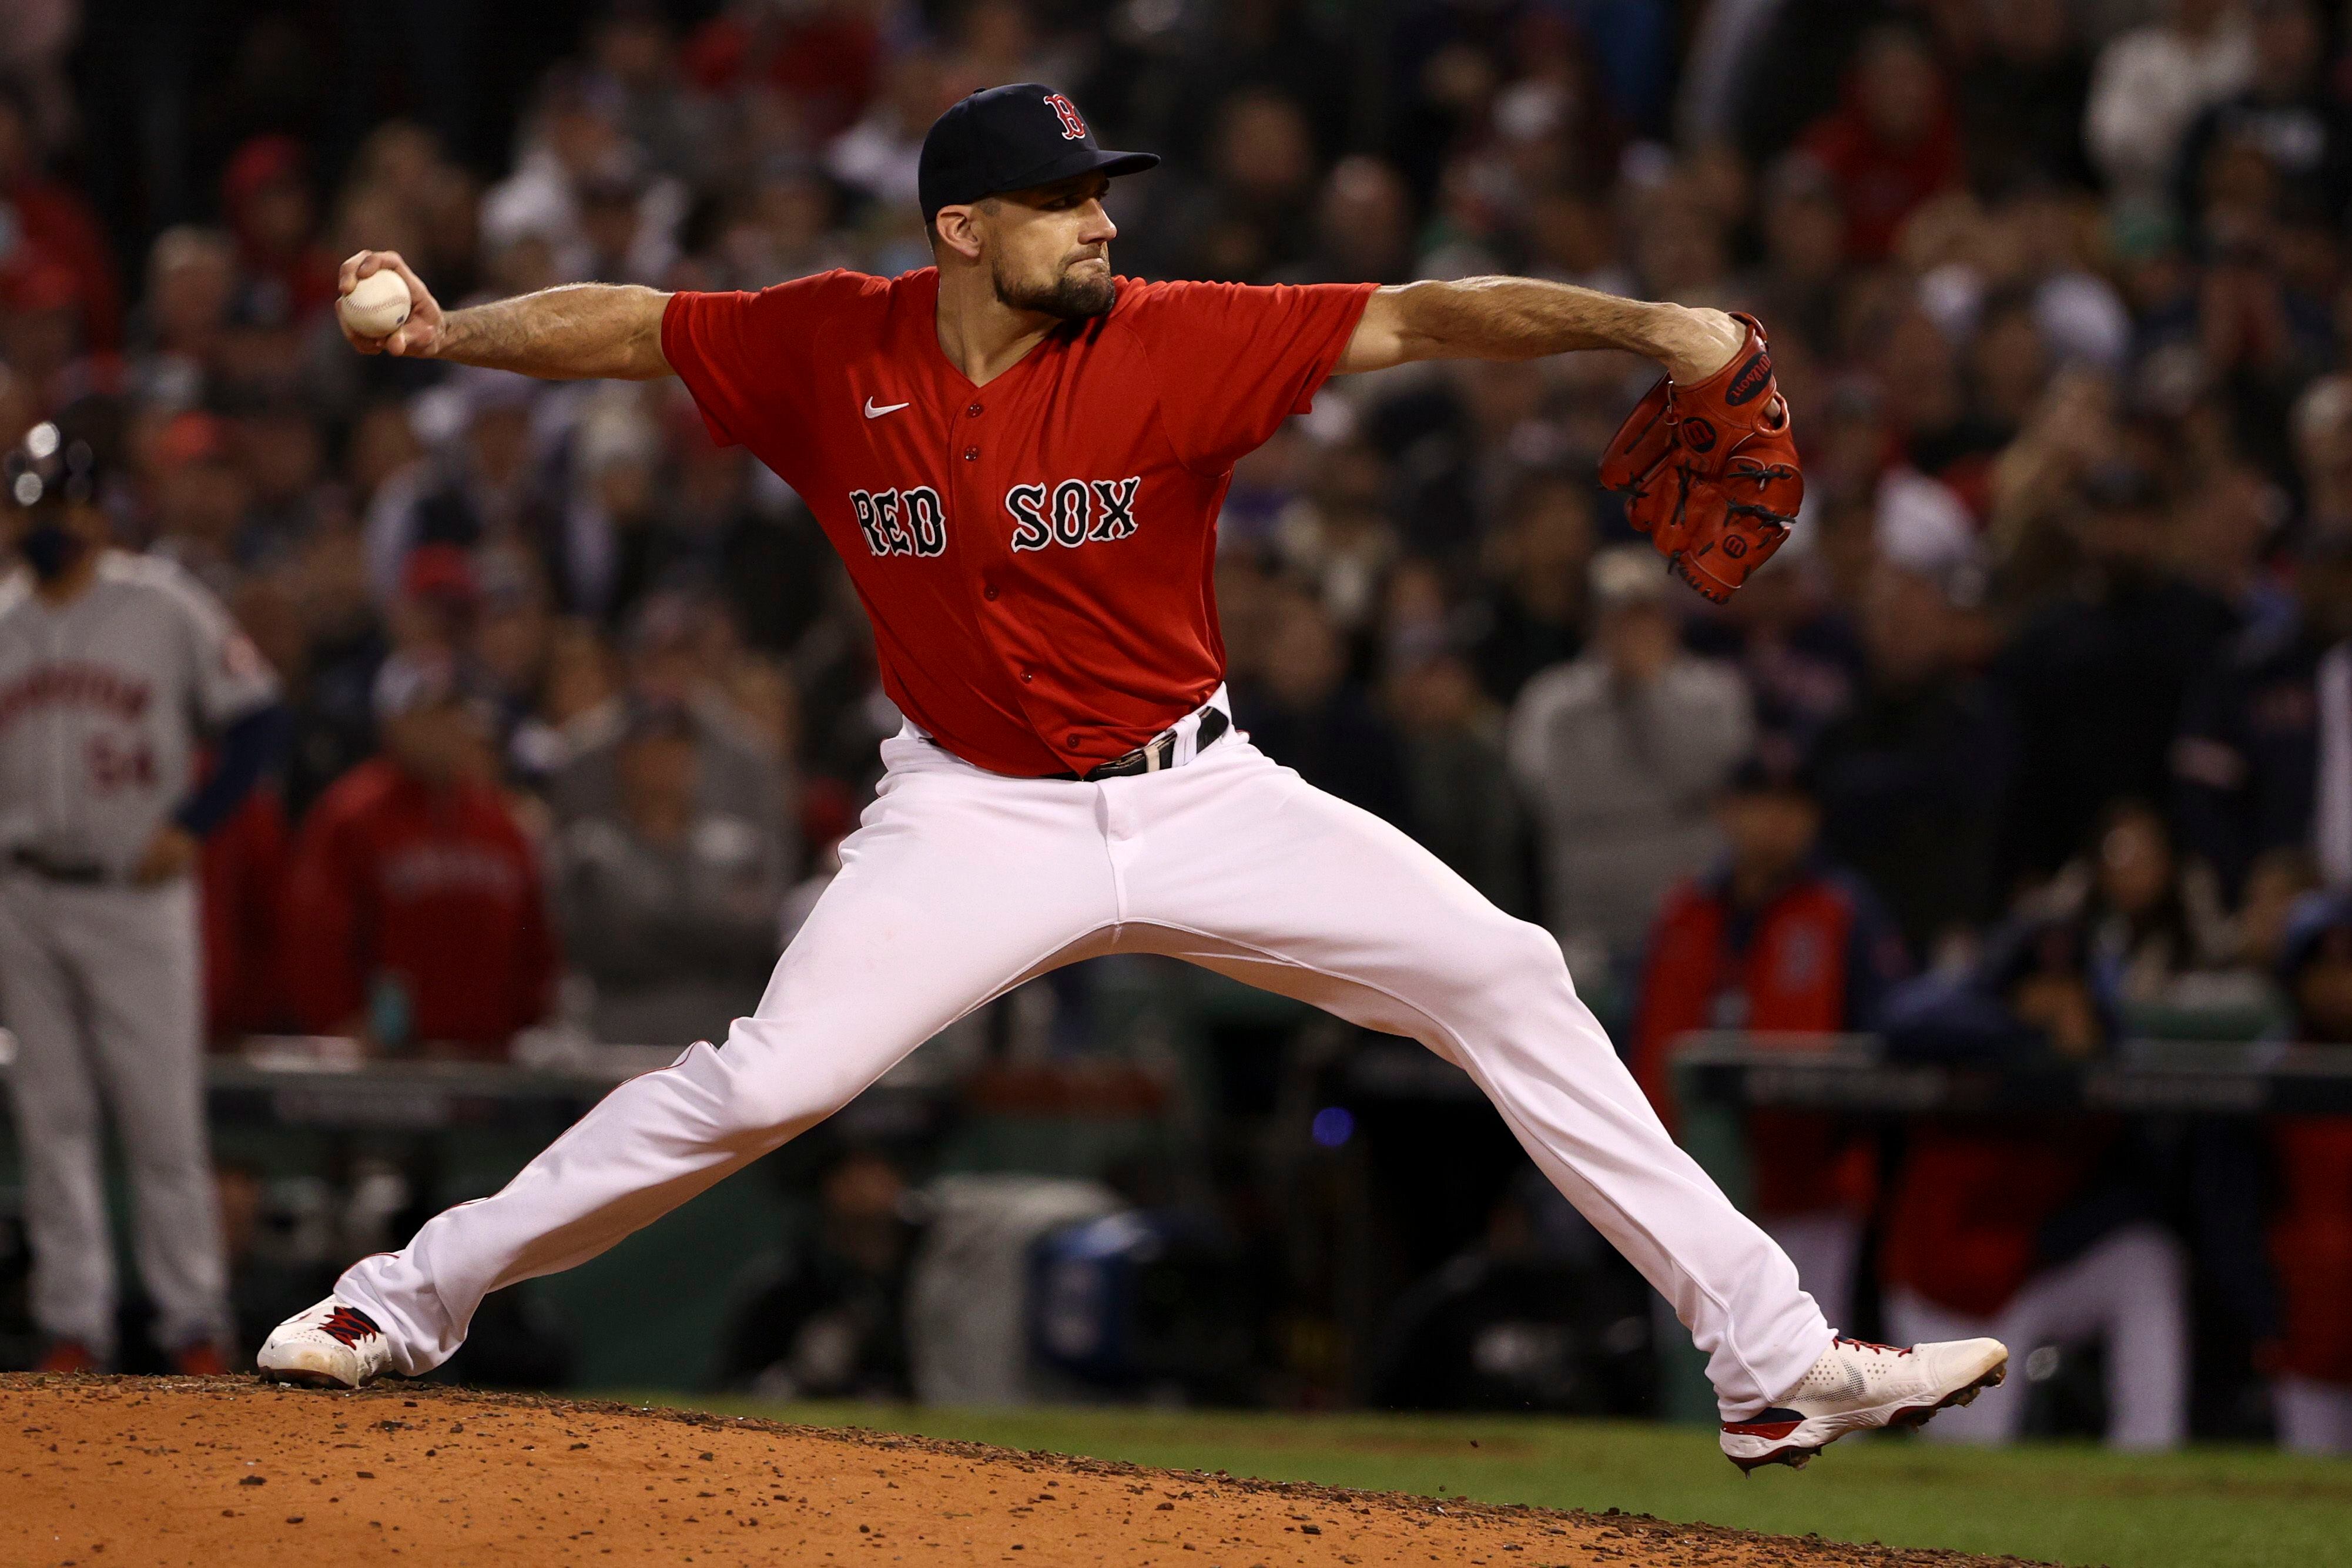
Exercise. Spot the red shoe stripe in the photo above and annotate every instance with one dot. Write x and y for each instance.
(1770, 1431)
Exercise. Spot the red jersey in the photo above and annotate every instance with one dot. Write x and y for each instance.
(1794, 977)
(1035, 554)
(2311, 1241)
(242, 876)
(437, 888)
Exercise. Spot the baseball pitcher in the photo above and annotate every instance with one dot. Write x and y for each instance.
(1021, 456)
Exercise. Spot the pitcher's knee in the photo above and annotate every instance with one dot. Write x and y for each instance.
(767, 1086)
(1505, 961)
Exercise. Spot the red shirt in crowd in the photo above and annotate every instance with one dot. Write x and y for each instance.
(1035, 554)
(59, 229)
(1812, 958)
(1880, 183)
(243, 874)
(1964, 1223)
(2311, 1239)
(436, 888)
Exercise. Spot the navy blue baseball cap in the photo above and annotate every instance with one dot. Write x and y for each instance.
(1010, 138)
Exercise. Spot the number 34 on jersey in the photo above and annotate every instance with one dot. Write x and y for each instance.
(1069, 514)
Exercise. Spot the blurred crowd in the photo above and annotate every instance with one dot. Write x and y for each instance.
(2039, 731)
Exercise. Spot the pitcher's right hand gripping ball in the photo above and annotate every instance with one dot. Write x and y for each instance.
(1711, 470)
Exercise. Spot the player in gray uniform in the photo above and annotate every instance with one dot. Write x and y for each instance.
(112, 665)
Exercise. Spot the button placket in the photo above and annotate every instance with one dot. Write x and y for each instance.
(990, 551)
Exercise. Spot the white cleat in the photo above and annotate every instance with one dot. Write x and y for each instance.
(1857, 1385)
(330, 1345)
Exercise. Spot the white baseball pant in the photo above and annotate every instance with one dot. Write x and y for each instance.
(959, 884)
(2130, 1293)
(102, 987)
(2313, 1418)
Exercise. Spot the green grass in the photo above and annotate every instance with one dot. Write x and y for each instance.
(2209, 1508)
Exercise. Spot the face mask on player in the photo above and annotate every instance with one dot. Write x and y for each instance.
(49, 548)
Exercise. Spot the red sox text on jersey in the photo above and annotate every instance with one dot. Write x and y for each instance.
(1035, 554)
(1073, 513)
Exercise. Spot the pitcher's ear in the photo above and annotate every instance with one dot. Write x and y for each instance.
(957, 228)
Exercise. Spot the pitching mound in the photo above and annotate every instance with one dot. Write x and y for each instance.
(209, 1472)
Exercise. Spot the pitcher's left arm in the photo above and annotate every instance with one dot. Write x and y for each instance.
(1705, 460)
(1526, 317)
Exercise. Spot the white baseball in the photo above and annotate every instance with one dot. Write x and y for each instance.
(376, 305)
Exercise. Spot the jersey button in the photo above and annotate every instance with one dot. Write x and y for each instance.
(975, 411)
(970, 453)
(992, 592)
(1026, 675)
(1071, 739)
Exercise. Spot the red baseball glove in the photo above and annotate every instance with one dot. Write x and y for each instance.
(1711, 469)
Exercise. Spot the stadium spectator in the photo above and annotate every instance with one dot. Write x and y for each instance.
(1892, 145)
(1775, 940)
(1799, 288)
(413, 911)
(1253, 213)
(2020, 99)
(1337, 539)
(485, 488)
(2149, 920)
(2311, 1234)
(1913, 775)
(1532, 614)
(2262, 761)
(288, 276)
(669, 907)
(332, 659)
(676, 656)
(1302, 708)
(1618, 754)
(1795, 643)
(1458, 791)
(706, 531)
(2096, 679)
(827, 1320)
(2149, 86)
(55, 228)
(242, 883)
(180, 349)
(2284, 112)
(2037, 1230)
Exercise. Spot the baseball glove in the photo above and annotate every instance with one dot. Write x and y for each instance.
(1711, 470)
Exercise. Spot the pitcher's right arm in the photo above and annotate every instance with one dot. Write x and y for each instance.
(576, 332)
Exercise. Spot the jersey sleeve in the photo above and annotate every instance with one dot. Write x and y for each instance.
(745, 357)
(1235, 360)
(227, 676)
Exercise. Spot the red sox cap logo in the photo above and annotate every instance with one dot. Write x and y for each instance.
(1073, 128)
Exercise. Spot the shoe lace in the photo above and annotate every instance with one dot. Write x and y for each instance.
(1874, 1345)
(350, 1325)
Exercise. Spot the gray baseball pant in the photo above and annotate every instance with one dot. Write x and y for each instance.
(102, 987)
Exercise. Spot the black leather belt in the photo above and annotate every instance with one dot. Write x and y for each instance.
(73, 873)
(1156, 753)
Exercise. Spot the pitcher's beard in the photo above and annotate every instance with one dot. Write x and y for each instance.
(1070, 297)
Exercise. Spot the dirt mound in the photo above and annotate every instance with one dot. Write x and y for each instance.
(208, 1472)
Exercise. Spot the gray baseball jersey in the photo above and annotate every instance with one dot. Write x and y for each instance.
(101, 702)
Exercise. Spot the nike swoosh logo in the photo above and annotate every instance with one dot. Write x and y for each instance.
(873, 413)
